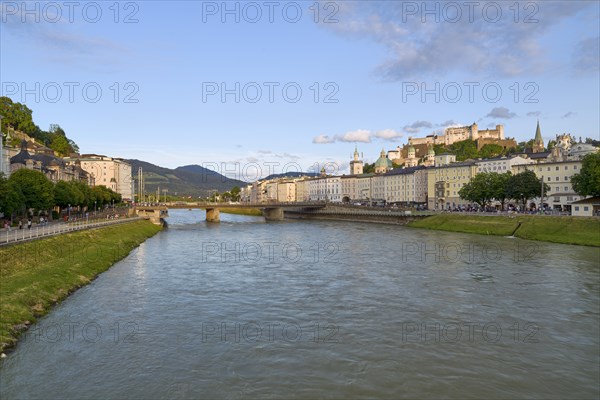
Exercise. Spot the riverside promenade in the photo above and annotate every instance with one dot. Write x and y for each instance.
(39, 231)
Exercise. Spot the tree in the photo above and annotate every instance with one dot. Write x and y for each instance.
(587, 181)
(368, 168)
(11, 197)
(480, 189)
(491, 150)
(500, 187)
(37, 190)
(63, 194)
(524, 186)
(235, 193)
(464, 149)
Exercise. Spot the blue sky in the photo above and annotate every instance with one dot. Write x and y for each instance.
(361, 69)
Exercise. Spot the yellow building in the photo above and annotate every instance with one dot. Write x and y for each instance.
(444, 182)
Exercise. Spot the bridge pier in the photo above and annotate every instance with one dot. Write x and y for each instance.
(156, 215)
(273, 214)
(213, 215)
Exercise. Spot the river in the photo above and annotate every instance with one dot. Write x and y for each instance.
(321, 309)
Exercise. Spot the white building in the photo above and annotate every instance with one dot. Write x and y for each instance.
(114, 173)
(325, 188)
(501, 164)
(557, 175)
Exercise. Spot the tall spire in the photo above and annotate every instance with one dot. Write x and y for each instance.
(538, 142)
(538, 134)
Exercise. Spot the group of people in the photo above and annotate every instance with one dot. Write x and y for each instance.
(29, 223)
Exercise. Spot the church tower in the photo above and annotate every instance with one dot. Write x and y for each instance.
(411, 160)
(356, 165)
(538, 142)
(430, 157)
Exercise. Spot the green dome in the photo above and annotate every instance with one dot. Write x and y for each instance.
(383, 161)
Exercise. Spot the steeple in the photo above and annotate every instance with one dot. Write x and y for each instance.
(355, 153)
(538, 142)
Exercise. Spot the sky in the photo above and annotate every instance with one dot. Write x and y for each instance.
(253, 88)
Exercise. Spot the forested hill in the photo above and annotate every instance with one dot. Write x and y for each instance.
(20, 118)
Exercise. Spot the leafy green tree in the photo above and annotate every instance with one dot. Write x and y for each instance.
(500, 187)
(368, 168)
(464, 149)
(37, 190)
(63, 194)
(480, 189)
(491, 150)
(11, 197)
(587, 181)
(235, 193)
(61, 145)
(17, 115)
(524, 186)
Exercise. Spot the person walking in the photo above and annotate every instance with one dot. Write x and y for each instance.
(29, 223)
(20, 224)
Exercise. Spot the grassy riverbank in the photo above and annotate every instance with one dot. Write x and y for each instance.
(567, 230)
(36, 275)
(242, 211)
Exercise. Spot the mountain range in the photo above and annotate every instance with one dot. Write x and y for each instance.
(189, 180)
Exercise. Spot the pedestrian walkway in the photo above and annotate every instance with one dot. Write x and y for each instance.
(55, 228)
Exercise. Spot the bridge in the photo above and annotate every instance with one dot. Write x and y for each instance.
(272, 211)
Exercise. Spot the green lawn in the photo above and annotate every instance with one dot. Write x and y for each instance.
(568, 230)
(36, 275)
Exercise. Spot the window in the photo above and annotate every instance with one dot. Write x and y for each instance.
(576, 208)
(557, 178)
(549, 179)
(586, 208)
(557, 167)
(574, 166)
(566, 188)
(566, 167)
(548, 168)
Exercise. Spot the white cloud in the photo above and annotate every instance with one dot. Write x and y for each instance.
(359, 135)
(502, 113)
(415, 47)
(323, 139)
(388, 134)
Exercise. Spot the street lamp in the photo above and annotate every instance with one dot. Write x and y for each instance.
(95, 207)
(69, 213)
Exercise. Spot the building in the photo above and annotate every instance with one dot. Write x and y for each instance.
(557, 175)
(406, 186)
(383, 164)
(54, 168)
(114, 173)
(538, 141)
(356, 165)
(586, 207)
(444, 182)
(502, 164)
(325, 188)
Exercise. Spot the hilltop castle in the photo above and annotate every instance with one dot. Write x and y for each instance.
(421, 148)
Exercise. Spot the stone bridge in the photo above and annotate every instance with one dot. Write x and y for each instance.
(273, 211)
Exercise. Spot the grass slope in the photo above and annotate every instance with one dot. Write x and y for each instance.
(36, 275)
(567, 230)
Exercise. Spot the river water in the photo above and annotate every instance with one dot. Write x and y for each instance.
(292, 309)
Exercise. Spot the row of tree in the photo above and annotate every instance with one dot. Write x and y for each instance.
(27, 190)
(488, 186)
